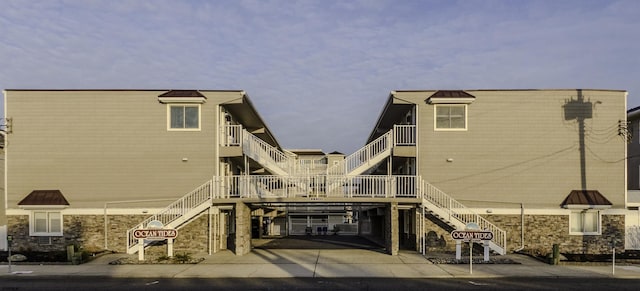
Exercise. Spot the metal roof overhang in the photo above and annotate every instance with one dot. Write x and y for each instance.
(44, 199)
(586, 199)
(244, 112)
(393, 111)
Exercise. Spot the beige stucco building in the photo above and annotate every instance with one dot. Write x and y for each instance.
(534, 167)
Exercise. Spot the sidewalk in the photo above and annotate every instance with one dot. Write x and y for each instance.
(336, 263)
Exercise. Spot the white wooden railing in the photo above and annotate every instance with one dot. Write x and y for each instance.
(315, 186)
(455, 212)
(175, 212)
(366, 186)
(273, 186)
(309, 167)
(266, 154)
(363, 156)
(370, 154)
(404, 135)
(279, 163)
(231, 135)
(295, 180)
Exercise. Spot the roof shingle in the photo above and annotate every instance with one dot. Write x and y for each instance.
(590, 198)
(182, 93)
(44, 197)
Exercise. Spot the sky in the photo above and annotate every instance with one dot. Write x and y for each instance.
(319, 72)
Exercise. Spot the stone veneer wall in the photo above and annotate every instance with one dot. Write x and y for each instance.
(541, 233)
(437, 238)
(87, 231)
(192, 239)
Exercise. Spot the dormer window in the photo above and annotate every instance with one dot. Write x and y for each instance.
(450, 109)
(183, 109)
(451, 117)
(184, 117)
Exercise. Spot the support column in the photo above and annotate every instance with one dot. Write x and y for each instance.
(243, 229)
(170, 247)
(392, 229)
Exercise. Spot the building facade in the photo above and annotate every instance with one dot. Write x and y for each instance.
(534, 167)
(547, 166)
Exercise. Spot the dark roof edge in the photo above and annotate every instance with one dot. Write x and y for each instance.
(245, 96)
(634, 109)
(121, 90)
(384, 109)
(506, 90)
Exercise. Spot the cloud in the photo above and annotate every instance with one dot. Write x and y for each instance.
(320, 71)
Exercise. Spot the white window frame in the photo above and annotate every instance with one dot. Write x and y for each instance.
(435, 117)
(32, 223)
(582, 232)
(170, 105)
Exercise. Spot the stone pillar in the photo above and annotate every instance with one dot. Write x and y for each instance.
(223, 226)
(391, 229)
(243, 229)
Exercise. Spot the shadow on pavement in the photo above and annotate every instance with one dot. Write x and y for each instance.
(320, 242)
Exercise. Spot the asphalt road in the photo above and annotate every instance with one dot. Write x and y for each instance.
(103, 283)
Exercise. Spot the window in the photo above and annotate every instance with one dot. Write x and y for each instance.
(184, 117)
(451, 117)
(46, 223)
(584, 223)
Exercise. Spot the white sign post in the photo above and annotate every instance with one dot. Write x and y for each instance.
(154, 231)
(471, 257)
(471, 234)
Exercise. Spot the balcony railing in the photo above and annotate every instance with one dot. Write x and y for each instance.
(404, 135)
(231, 135)
(273, 186)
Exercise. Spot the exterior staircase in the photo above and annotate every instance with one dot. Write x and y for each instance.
(177, 213)
(266, 155)
(435, 201)
(456, 215)
(270, 157)
(341, 181)
(365, 158)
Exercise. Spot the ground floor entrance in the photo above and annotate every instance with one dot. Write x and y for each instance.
(385, 225)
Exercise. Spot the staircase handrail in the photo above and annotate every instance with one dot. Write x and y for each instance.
(257, 148)
(175, 210)
(458, 211)
(363, 155)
